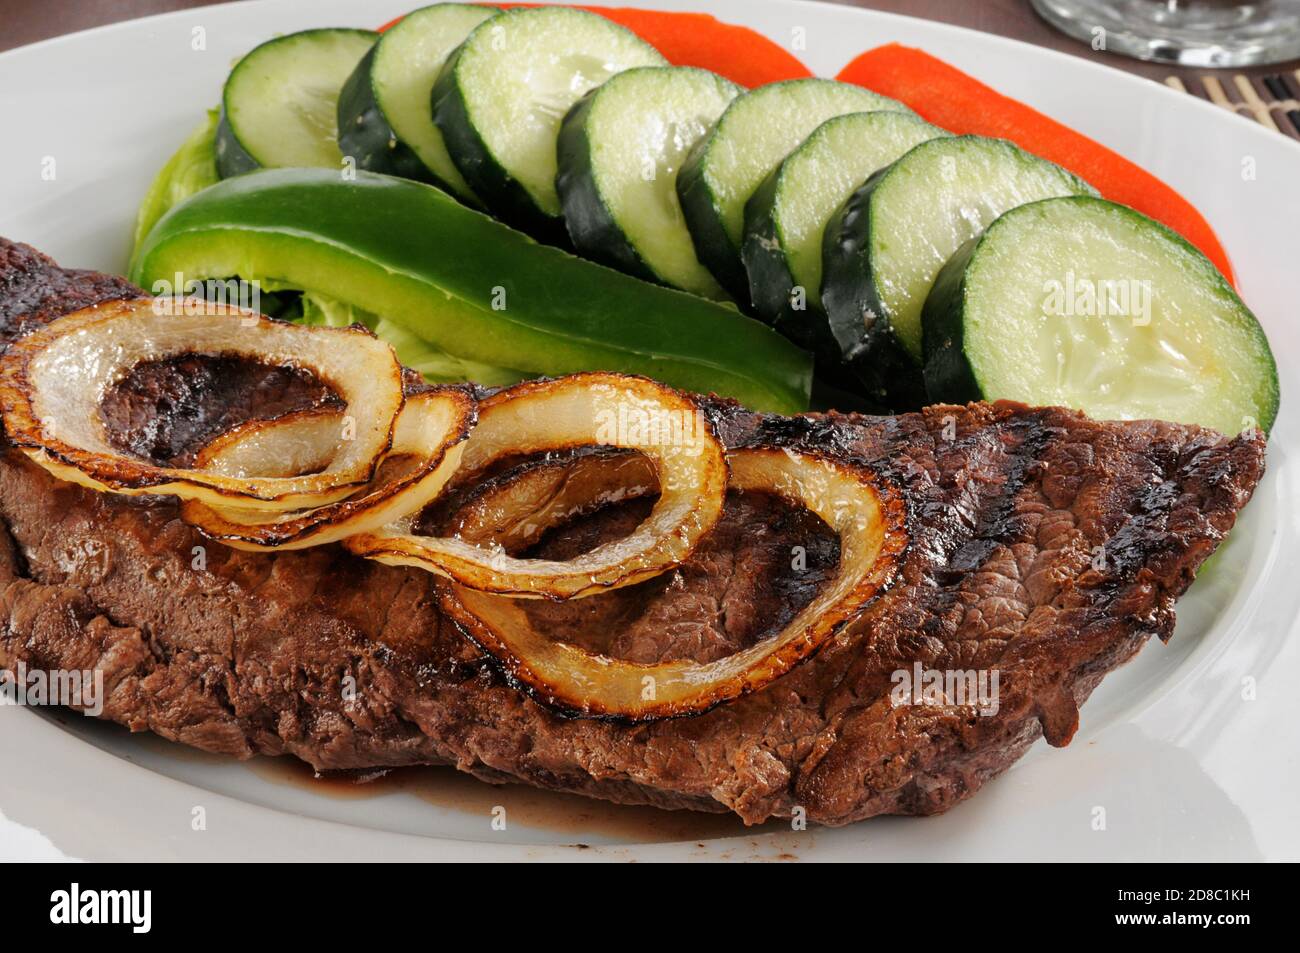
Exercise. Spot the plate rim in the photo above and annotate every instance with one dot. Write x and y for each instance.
(448, 848)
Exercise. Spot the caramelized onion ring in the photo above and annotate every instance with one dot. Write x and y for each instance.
(515, 508)
(53, 380)
(595, 409)
(431, 430)
(866, 513)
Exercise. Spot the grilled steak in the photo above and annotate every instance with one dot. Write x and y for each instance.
(1044, 546)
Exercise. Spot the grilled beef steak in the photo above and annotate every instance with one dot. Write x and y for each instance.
(1043, 545)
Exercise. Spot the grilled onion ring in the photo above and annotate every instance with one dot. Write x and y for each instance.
(53, 380)
(518, 506)
(866, 513)
(431, 429)
(594, 409)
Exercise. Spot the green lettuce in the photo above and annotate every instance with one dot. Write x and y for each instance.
(192, 168)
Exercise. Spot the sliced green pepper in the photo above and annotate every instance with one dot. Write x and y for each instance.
(473, 288)
(437, 367)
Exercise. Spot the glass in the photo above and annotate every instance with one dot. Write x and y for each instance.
(1201, 33)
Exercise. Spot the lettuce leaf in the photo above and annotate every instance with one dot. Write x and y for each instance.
(192, 168)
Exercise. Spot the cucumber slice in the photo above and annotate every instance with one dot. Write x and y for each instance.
(384, 116)
(756, 132)
(883, 248)
(619, 152)
(502, 94)
(280, 103)
(1089, 304)
(785, 218)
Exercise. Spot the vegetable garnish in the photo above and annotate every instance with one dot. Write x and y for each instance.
(625, 213)
(1087, 303)
(470, 286)
(726, 166)
(384, 119)
(885, 245)
(502, 93)
(428, 438)
(607, 410)
(191, 168)
(947, 97)
(867, 514)
(740, 54)
(52, 382)
(280, 102)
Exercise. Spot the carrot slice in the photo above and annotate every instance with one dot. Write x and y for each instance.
(947, 97)
(740, 54)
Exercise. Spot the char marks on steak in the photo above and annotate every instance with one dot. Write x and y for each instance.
(1010, 509)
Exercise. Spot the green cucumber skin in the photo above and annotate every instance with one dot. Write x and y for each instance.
(766, 269)
(590, 225)
(769, 275)
(232, 158)
(870, 348)
(366, 136)
(414, 255)
(709, 236)
(837, 385)
(948, 375)
(507, 199)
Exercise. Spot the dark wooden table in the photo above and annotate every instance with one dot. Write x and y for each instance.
(1267, 94)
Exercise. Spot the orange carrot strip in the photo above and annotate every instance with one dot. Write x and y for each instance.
(947, 97)
(742, 55)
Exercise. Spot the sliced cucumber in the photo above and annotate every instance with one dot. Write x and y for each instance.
(280, 103)
(785, 218)
(619, 153)
(502, 94)
(884, 246)
(1085, 303)
(751, 138)
(384, 118)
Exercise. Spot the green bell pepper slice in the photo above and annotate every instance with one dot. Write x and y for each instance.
(466, 284)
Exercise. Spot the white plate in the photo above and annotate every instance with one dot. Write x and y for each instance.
(1182, 764)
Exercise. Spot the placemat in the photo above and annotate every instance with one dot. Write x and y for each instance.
(1267, 95)
(1270, 99)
